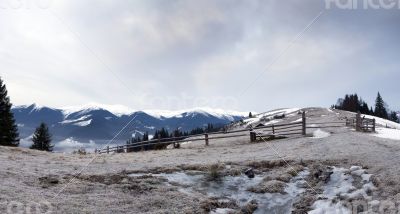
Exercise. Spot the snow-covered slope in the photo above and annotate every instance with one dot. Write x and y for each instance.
(385, 128)
(393, 134)
(270, 117)
(382, 122)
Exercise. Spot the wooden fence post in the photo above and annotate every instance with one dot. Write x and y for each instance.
(108, 149)
(206, 139)
(373, 125)
(253, 136)
(358, 122)
(303, 119)
(159, 142)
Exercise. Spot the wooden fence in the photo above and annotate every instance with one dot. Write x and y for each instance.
(361, 124)
(257, 133)
(279, 131)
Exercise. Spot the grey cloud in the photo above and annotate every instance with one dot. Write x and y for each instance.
(203, 49)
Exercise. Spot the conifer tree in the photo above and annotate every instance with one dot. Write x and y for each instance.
(380, 109)
(145, 137)
(394, 117)
(42, 139)
(8, 129)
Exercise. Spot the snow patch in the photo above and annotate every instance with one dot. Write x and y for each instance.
(298, 120)
(83, 123)
(236, 188)
(340, 186)
(272, 122)
(393, 134)
(76, 120)
(354, 168)
(320, 134)
(279, 111)
(222, 211)
(268, 117)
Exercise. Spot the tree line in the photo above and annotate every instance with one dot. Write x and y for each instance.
(9, 135)
(354, 103)
(163, 135)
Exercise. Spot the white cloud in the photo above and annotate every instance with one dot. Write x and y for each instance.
(70, 145)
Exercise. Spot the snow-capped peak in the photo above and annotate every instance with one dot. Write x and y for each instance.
(117, 110)
(203, 110)
(120, 110)
(33, 107)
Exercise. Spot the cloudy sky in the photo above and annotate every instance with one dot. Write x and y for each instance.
(231, 54)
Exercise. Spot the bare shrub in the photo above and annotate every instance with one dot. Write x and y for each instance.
(80, 151)
(376, 181)
(213, 203)
(303, 205)
(273, 186)
(294, 170)
(48, 181)
(193, 167)
(284, 177)
(107, 179)
(267, 164)
(214, 172)
(249, 208)
(234, 172)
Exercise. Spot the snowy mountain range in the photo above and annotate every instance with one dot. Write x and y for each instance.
(95, 122)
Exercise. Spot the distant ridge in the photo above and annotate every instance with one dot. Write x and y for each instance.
(96, 122)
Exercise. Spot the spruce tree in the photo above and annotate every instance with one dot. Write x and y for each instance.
(145, 137)
(380, 109)
(42, 139)
(364, 109)
(394, 117)
(8, 129)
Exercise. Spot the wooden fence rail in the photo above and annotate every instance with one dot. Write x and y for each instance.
(361, 124)
(279, 130)
(272, 131)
